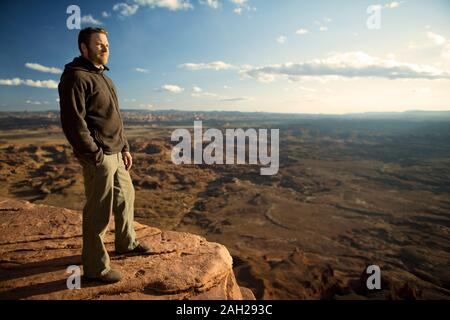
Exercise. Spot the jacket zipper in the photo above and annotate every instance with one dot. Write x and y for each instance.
(115, 105)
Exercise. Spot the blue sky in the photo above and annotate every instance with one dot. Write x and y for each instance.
(246, 55)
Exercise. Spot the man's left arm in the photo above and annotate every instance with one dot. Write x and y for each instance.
(126, 155)
(126, 147)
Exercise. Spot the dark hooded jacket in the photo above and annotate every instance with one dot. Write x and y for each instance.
(90, 114)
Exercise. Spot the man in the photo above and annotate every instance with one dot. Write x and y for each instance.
(93, 125)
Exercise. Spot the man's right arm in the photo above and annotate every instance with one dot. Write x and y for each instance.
(73, 111)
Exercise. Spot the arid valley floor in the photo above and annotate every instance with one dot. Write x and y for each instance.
(350, 192)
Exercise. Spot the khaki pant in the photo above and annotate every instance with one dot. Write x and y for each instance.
(108, 188)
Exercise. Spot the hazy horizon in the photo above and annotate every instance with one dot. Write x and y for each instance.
(368, 113)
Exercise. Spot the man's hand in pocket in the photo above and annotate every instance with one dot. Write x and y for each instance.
(127, 159)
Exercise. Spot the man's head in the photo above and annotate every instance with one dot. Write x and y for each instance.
(93, 45)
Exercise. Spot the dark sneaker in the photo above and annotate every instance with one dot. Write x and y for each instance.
(141, 249)
(112, 276)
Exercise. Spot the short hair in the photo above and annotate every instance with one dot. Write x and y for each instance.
(85, 35)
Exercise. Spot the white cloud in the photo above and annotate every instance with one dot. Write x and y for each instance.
(390, 5)
(393, 5)
(50, 84)
(301, 31)
(242, 5)
(348, 65)
(442, 42)
(11, 82)
(215, 4)
(235, 99)
(204, 94)
(89, 19)
(129, 9)
(323, 24)
(167, 4)
(196, 89)
(281, 39)
(391, 56)
(39, 67)
(198, 92)
(125, 9)
(33, 102)
(239, 2)
(215, 65)
(141, 70)
(172, 88)
(436, 38)
(106, 14)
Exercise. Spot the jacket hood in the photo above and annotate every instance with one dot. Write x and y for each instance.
(81, 63)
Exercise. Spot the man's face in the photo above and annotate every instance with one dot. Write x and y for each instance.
(98, 49)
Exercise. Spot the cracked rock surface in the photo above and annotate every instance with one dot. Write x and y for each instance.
(38, 243)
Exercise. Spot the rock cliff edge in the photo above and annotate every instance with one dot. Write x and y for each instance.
(38, 243)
